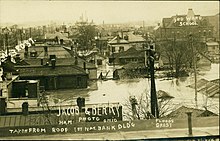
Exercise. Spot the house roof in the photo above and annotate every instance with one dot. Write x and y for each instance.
(181, 112)
(130, 53)
(57, 34)
(216, 81)
(135, 38)
(200, 84)
(163, 95)
(57, 50)
(206, 87)
(60, 62)
(119, 41)
(37, 71)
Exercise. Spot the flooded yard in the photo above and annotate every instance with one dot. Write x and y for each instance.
(118, 91)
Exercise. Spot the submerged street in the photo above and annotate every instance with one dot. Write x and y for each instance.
(118, 91)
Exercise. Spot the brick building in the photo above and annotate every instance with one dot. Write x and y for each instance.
(180, 26)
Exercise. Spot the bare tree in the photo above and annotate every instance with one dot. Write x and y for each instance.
(142, 107)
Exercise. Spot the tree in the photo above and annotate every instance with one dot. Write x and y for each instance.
(139, 107)
(85, 34)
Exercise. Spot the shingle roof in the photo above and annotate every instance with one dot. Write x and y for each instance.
(35, 71)
(206, 87)
(181, 112)
(59, 51)
(60, 61)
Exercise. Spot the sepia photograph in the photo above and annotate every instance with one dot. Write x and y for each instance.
(109, 70)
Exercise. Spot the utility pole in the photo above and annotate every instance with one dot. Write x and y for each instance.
(194, 65)
(21, 30)
(30, 32)
(151, 56)
(7, 43)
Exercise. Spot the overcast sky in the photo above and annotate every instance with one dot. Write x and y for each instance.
(109, 11)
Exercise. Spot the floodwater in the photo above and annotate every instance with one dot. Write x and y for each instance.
(118, 91)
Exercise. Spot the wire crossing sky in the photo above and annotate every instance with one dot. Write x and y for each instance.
(99, 11)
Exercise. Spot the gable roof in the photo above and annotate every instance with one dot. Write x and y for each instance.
(135, 38)
(118, 41)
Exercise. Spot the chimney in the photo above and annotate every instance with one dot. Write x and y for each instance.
(17, 58)
(61, 41)
(53, 63)
(42, 61)
(84, 65)
(126, 37)
(26, 52)
(76, 60)
(122, 36)
(118, 39)
(45, 51)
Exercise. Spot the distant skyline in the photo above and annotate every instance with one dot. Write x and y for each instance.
(26, 11)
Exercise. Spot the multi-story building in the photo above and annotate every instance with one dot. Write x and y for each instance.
(124, 41)
(180, 26)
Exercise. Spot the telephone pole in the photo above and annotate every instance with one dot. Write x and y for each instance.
(194, 65)
(151, 56)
